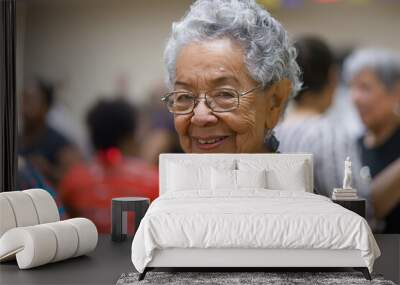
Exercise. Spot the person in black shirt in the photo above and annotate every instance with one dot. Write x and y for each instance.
(49, 151)
(374, 77)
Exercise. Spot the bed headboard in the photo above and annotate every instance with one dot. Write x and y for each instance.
(236, 159)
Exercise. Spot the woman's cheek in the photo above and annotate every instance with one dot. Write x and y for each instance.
(241, 123)
(247, 138)
(181, 123)
(185, 144)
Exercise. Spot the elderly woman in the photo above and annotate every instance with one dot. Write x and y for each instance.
(374, 77)
(231, 70)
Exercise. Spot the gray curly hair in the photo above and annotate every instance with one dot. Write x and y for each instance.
(269, 56)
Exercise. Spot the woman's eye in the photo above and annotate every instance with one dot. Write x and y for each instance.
(225, 95)
(183, 98)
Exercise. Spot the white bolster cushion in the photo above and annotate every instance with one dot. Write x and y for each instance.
(67, 240)
(23, 208)
(40, 244)
(87, 235)
(45, 205)
(7, 218)
(26, 208)
(33, 246)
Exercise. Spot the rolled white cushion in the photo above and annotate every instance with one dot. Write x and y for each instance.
(67, 240)
(45, 205)
(87, 235)
(33, 246)
(7, 218)
(40, 244)
(23, 208)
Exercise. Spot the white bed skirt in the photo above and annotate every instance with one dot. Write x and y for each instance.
(235, 257)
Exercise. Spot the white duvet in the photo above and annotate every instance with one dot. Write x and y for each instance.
(250, 219)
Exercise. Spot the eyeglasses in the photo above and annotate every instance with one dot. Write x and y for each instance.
(218, 100)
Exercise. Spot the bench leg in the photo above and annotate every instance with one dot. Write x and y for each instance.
(143, 274)
(364, 271)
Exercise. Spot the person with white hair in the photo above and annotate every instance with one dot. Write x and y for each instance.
(231, 70)
(308, 127)
(374, 79)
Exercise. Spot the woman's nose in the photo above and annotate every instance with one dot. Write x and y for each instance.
(203, 115)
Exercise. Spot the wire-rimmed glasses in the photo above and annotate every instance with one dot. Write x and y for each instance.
(218, 100)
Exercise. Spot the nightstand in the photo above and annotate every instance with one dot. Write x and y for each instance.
(119, 209)
(356, 205)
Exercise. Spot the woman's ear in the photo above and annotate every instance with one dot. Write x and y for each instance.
(278, 97)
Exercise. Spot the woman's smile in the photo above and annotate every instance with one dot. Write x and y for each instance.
(209, 142)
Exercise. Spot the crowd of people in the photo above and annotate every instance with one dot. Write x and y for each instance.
(125, 144)
(279, 99)
(372, 80)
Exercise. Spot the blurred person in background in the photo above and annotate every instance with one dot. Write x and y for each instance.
(308, 128)
(49, 151)
(374, 80)
(28, 177)
(115, 171)
(342, 111)
(158, 130)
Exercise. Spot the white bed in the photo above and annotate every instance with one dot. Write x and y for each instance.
(202, 220)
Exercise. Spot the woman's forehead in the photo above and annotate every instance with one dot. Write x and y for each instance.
(212, 62)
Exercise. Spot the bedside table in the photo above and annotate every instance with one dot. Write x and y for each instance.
(119, 209)
(356, 205)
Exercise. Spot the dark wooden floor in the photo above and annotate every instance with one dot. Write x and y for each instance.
(110, 260)
(389, 262)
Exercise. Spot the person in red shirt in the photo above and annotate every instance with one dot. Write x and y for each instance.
(87, 188)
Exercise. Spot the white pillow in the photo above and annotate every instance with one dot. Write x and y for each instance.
(227, 179)
(293, 179)
(223, 179)
(251, 178)
(182, 177)
(282, 174)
